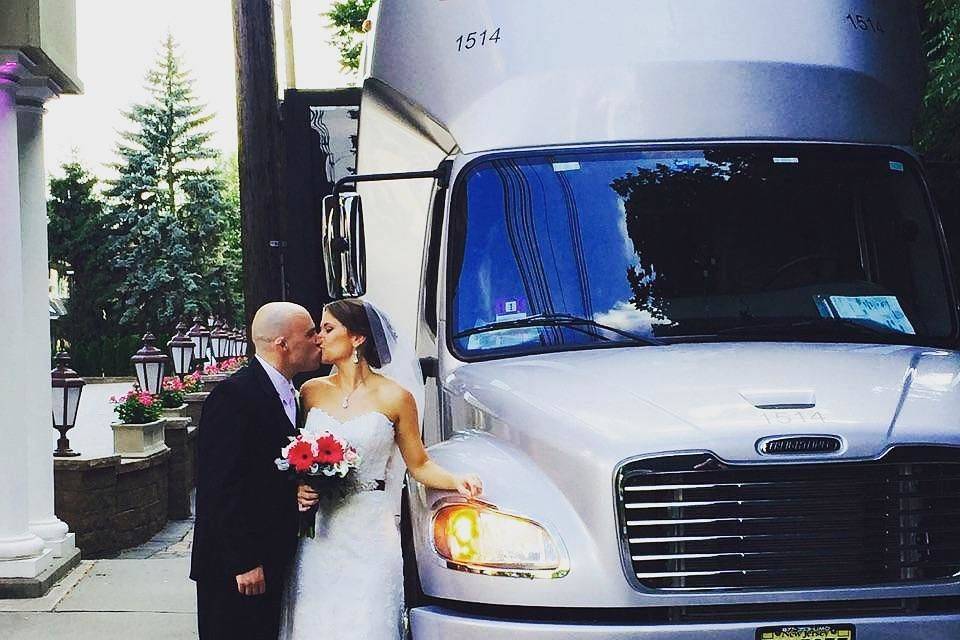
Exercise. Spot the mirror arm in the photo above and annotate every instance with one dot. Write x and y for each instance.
(440, 173)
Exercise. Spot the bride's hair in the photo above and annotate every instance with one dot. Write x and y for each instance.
(353, 316)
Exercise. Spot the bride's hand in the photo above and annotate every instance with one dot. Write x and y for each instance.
(469, 485)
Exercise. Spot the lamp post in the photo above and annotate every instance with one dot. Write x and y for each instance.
(149, 363)
(200, 337)
(181, 351)
(67, 387)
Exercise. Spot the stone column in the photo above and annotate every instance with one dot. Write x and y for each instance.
(22, 553)
(36, 360)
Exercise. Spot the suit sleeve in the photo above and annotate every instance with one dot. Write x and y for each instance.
(224, 445)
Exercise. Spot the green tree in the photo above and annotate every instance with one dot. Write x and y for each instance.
(938, 132)
(80, 232)
(231, 252)
(170, 206)
(346, 17)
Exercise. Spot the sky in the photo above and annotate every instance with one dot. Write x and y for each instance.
(119, 40)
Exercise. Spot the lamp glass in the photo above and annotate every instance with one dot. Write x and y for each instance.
(73, 403)
(59, 395)
(154, 374)
(181, 359)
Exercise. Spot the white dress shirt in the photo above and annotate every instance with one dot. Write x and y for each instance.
(284, 387)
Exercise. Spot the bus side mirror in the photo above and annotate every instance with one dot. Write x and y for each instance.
(344, 249)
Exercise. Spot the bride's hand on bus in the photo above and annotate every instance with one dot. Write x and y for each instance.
(469, 485)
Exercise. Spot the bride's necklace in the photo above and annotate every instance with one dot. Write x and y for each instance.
(346, 399)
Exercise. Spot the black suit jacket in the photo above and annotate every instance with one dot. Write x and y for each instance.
(246, 511)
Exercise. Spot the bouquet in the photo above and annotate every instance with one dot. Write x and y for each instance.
(136, 407)
(326, 463)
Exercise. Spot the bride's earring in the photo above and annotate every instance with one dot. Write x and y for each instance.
(356, 357)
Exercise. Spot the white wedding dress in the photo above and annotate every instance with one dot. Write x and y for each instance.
(347, 582)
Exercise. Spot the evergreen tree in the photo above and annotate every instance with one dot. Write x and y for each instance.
(347, 17)
(79, 232)
(169, 204)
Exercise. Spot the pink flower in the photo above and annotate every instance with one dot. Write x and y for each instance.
(145, 399)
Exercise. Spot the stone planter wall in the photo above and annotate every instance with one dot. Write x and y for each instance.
(212, 380)
(112, 503)
(181, 438)
(195, 406)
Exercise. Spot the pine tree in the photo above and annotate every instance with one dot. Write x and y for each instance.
(80, 238)
(169, 203)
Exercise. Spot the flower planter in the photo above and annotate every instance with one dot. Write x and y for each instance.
(195, 406)
(212, 380)
(138, 440)
(176, 412)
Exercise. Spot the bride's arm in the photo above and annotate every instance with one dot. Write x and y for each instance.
(421, 467)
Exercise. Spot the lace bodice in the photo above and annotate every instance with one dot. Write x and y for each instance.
(371, 433)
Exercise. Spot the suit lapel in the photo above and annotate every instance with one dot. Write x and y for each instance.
(272, 397)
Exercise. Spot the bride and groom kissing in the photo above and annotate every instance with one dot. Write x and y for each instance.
(254, 579)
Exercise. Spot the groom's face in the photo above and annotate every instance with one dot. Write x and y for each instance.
(303, 344)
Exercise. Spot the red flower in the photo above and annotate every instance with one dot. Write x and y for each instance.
(300, 456)
(329, 450)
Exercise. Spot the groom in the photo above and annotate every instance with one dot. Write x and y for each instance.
(246, 515)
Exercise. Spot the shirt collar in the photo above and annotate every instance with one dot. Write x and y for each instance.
(283, 386)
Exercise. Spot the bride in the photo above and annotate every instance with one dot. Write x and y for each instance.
(347, 582)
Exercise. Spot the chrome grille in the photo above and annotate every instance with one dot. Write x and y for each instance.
(691, 522)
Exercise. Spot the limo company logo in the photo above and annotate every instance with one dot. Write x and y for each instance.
(793, 445)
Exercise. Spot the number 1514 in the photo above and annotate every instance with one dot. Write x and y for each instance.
(477, 38)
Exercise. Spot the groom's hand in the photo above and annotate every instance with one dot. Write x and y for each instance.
(252, 583)
(306, 497)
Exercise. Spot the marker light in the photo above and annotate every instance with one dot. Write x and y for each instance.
(479, 538)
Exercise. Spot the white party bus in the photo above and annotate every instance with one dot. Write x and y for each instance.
(683, 301)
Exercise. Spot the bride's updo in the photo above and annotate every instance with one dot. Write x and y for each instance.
(353, 316)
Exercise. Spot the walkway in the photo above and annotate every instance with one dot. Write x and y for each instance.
(143, 593)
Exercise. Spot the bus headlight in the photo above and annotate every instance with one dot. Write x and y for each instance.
(479, 538)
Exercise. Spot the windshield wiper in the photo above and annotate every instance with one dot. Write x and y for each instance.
(862, 327)
(556, 320)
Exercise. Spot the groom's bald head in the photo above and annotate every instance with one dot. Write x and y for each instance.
(285, 336)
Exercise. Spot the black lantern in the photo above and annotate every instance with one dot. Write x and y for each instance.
(241, 343)
(181, 351)
(149, 363)
(67, 387)
(233, 342)
(219, 342)
(201, 340)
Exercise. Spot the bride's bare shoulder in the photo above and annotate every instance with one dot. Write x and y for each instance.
(392, 394)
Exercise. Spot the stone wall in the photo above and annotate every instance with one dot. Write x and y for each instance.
(181, 438)
(112, 503)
